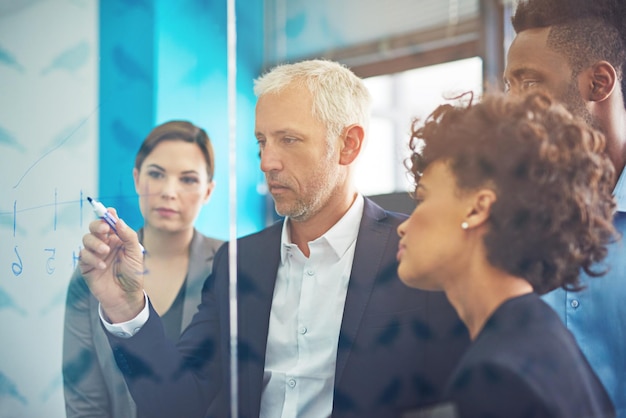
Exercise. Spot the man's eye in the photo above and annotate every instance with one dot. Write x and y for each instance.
(528, 84)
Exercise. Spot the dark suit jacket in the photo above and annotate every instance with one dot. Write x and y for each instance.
(526, 364)
(397, 346)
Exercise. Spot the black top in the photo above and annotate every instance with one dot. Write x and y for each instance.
(173, 318)
(525, 363)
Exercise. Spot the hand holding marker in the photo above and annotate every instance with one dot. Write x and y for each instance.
(102, 212)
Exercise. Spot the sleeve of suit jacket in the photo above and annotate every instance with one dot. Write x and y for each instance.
(168, 380)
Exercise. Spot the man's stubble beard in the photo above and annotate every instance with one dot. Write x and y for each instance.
(574, 102)
(305, 207)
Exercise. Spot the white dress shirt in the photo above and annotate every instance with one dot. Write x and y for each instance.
(305, 319)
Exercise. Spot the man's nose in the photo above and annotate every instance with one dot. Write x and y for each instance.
(270, 158)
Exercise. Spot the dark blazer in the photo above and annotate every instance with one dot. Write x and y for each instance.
(397, 346)
(526, 364)
(93, 385)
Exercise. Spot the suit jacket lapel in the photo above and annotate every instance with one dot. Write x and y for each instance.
(371, 242)
(199, 267)
(258, 263)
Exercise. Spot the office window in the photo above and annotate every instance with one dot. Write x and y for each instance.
(396, 100)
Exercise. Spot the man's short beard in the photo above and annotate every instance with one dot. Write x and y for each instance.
(576, 105)
(304, 209)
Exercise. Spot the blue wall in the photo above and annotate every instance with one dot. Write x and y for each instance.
(166, 60)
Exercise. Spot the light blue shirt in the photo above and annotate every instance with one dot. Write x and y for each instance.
(305, 320)
(597, 315)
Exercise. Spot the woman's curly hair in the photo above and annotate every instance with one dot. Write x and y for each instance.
(554, 209)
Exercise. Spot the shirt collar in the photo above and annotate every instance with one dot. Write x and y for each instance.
(620, 192)
(339, 237)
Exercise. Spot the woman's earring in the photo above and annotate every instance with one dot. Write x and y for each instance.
(464, 225)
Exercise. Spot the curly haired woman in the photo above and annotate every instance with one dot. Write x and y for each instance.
(513, 200)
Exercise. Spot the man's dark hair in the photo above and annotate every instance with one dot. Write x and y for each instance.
(584, 31)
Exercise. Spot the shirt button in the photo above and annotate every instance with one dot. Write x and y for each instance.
(291, 383)
(122, 335)
(574, 303)
(302, 330)
(310, 272)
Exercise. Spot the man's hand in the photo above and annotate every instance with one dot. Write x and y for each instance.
(112, 264)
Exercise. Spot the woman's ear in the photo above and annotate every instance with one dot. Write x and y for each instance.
(209, 190)
(351, 144)
(480, 208)
(136, 180)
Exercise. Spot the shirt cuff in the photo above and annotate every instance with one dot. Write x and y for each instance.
(129, 328)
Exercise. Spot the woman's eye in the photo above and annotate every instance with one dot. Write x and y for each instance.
(155, 174)
(418, 198)
(189, 180)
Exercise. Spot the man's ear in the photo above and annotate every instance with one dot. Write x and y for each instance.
(479, 210)
(352, 141)
(600, 81)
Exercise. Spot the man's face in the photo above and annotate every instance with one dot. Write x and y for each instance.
(531, 64)
(301, 165)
